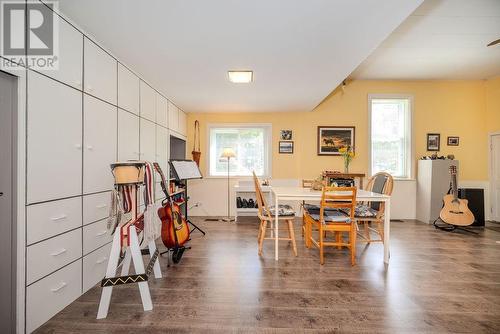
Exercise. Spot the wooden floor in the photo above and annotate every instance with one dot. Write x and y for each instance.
(436, 282)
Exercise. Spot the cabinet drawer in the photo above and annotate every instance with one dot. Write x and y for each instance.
(48, 219)
(47, 297)
(94, 267)
(95, 235)
(50, 255)
(96, 207)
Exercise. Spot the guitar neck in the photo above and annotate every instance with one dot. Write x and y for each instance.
(454, 186)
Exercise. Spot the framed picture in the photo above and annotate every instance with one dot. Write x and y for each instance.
(332, 138)
(433, 141)
(453, 141)
(286, 147)
(286, 135)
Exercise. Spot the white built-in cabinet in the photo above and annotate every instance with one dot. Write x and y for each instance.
(162, 146)
(128, 136)
(148, 102)
(69, 61)
(99, 144)
(148, 140)
(81, 118)
(161, 110)
(177, 119)
(100, 73)
(182, 126)
(54, 143)
(173, 117)
(128, 90)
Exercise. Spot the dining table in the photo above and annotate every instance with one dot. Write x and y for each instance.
(297, 193)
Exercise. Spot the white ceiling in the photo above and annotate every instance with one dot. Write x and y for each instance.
(442, 39)
(299, 50)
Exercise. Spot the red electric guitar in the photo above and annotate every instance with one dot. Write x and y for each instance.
(174, 228)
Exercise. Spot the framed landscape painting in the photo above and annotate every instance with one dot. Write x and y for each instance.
(332, 138)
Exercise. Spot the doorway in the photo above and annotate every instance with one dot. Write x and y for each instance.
(495, 176)
(8, 226)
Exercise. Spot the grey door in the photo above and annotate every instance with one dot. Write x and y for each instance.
(8, 98)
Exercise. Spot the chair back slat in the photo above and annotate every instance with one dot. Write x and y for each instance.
(338, 198)
(261, 200)
(381, 183)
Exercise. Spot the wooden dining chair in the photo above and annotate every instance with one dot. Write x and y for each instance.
(372, 213)
(305, 184)
(334, 220)
(266, 215)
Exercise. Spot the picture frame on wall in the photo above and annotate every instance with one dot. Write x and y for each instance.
(285, 147)
(286, 135)
(453, 141)
(332, 138)
(433, 141)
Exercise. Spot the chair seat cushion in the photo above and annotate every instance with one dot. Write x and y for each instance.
(332, 216)
(314, 209)
(283, 210)
(363, 211)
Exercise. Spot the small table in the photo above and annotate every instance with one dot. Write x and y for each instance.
(307, 194)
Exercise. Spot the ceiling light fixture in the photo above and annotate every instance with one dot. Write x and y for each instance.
(240, 76)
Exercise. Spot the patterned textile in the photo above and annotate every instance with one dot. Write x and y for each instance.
(363, 211)
(332, 217)
(314, 209)
(283, 210)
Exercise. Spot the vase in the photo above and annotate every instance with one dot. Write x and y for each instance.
(346, 167)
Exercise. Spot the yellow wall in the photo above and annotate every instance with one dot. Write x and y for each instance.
(452, 108)
(493, 105)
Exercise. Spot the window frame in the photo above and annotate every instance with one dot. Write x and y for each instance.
(409, 128)
(268, 134)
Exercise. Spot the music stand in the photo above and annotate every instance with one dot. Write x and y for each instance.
(186, 170)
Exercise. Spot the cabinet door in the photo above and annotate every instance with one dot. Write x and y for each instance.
(47, 297)
(100, 73)
(99, 144)
(54, 156)
(128, 90)
(173, 117)
(94, 267)
(182, 123)
(148, 139)
(148, 102)
(161, 110)
(70, 58)
(162, 144)
(128, 136)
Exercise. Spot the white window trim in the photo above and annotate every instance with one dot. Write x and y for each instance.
(269, 149)
(411, 144)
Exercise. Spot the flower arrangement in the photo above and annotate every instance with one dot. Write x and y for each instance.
(347, 152)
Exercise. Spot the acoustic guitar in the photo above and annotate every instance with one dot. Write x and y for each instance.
(455, 210)
(174, 228)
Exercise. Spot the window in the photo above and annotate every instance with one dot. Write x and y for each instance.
(250, 142)
(390, 135)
